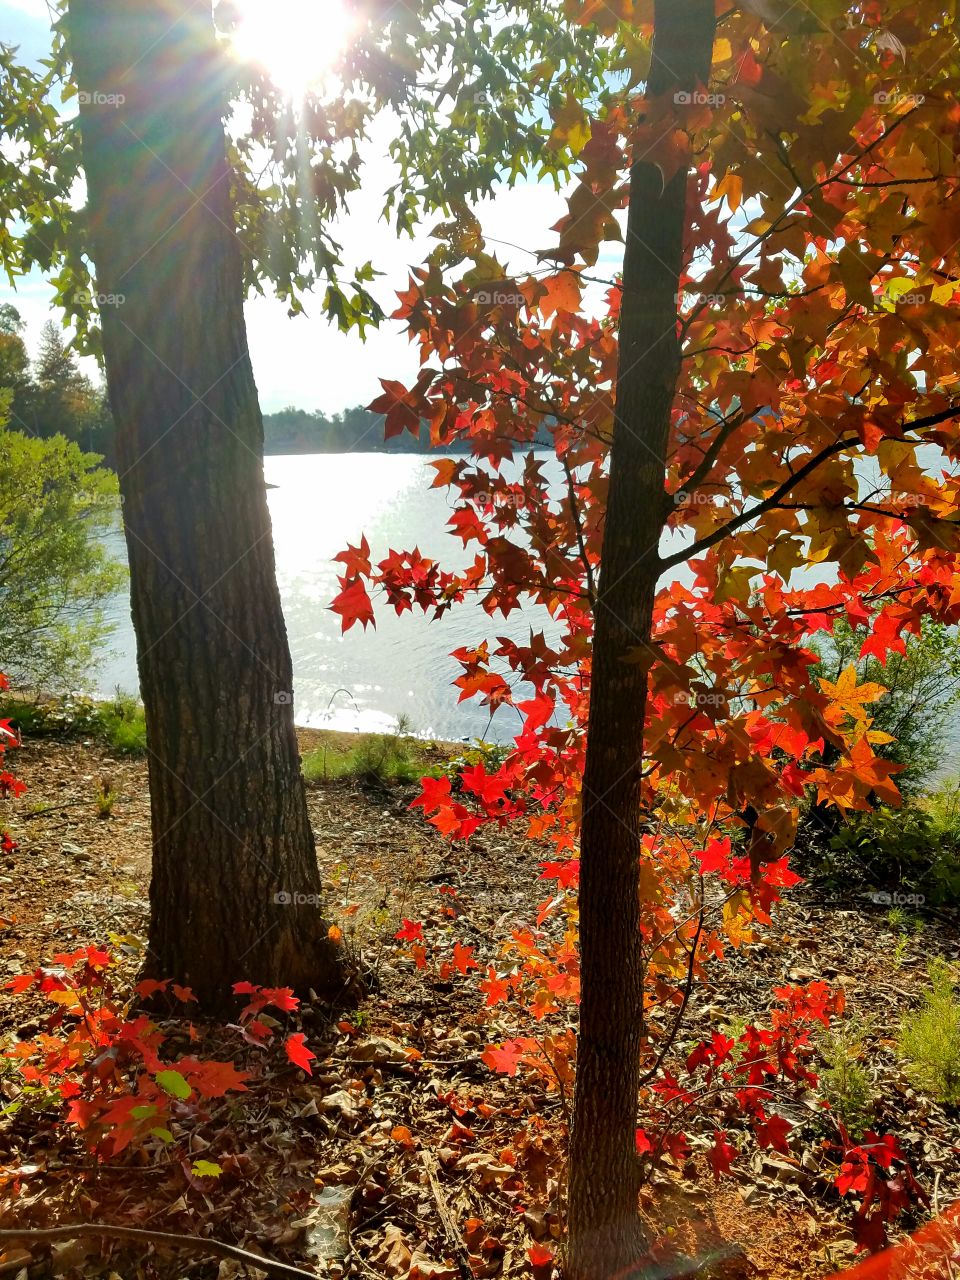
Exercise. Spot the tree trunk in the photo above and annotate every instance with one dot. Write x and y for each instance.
(235, 888)
(604, 1234)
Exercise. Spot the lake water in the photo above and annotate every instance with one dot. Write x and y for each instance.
(367, 679)
(364, 679)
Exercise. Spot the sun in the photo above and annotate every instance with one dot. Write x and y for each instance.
(294, 41)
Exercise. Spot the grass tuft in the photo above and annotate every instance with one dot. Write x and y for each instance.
(930, 1038)
(375, 758)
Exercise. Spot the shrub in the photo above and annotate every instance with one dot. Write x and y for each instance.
(844, 1080)
(55, 574)
(906, 850)
(490, 755)
(105, 1065)
(930, 1038)
(942, 806)
(104, 797)
(120, 722)
(123, 725)
(377, 758)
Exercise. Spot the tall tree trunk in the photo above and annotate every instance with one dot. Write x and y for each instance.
(235, 888)
(604, 1235)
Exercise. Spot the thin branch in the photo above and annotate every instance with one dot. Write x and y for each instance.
(687, 988)
(578, 526)
(718, 535)
(705, 465)
(162, 1239)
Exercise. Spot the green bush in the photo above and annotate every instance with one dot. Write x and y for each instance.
(844, 1080)
(376, 758)
(942, 806)
(119, 723)
(123, 725)
(930, 1038)
(909, 851)
(55, 575)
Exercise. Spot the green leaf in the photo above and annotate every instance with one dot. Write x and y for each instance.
(206, 1169)
(172, 1082)
(163, 1134)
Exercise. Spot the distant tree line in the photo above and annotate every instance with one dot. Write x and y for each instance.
(354, 430)
(48, 395)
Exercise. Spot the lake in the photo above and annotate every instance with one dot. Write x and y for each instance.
(368, 679)
(364, 679)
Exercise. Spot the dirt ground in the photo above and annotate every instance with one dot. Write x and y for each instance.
(403, 1148)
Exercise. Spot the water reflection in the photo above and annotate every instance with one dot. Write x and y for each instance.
(364, 680)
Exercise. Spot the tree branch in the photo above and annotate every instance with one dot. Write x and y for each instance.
(687, 988)
(162, 1239)
(578, 526)
(705, 465)
(718, 535)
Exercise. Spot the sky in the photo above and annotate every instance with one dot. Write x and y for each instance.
(305, 361)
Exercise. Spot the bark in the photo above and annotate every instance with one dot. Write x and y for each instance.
(604, 1233)
(231, 835)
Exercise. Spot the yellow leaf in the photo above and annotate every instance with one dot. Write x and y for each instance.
(849, 697)
(736, 918)
(570, 127)
(731, 186)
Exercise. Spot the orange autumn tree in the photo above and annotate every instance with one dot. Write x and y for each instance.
(772, 384)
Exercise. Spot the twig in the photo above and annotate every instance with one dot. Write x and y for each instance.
(578, 527)
(450, 1229)
(163, 1239)
(688, 987)
(54, 808)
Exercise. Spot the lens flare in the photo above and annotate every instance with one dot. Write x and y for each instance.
(294, 41)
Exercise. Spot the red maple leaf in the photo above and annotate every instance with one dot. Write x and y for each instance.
(410, 931)
(495, 988)
(281, 998)
(771, 1131)
(721, 1155)
(213, 1079)
(298, 1053)
(353, 604)
(540, 1256)
(505, 1058)
(643, 1142)
(463, 957)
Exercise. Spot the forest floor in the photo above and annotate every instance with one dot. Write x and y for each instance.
(403, 1153)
